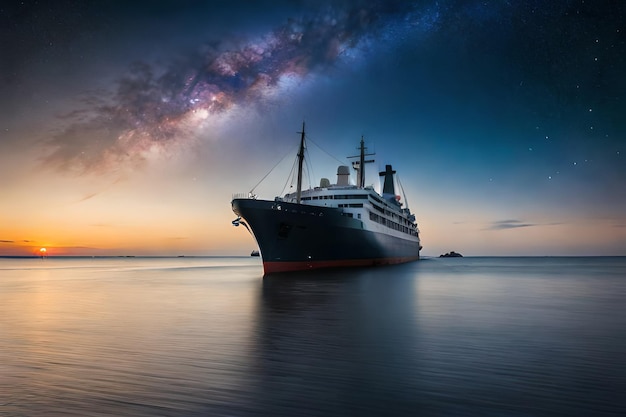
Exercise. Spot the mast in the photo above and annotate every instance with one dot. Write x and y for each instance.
(360, 166)
(388, 188)
(300, 160)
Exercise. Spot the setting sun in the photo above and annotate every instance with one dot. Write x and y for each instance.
(43, 251)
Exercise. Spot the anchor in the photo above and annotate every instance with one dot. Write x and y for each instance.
(238, 221)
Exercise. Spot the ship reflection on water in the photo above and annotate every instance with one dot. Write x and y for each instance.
(336, 343)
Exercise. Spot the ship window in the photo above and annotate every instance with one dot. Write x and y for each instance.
(351, 197)
(358, 215)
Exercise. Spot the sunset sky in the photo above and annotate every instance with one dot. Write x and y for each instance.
(126, 127)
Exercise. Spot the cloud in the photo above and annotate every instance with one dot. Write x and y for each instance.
(150, 108)
(95, 193)
(7, 241)
(508, 224)
(88, 196)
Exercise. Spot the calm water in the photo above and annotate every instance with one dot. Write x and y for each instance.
(212, 337)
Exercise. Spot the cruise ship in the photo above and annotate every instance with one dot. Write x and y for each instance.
(333, 225)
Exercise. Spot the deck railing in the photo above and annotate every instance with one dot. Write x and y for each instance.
(244, 196)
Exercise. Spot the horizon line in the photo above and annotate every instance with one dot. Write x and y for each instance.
(248, 256)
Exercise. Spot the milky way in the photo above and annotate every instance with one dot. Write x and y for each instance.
(150, 107)
(558, 66)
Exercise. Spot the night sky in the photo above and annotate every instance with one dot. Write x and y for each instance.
(126, 128)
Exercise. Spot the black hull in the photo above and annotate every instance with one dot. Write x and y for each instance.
(295, 237)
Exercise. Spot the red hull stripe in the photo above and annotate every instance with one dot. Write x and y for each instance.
(272, 267)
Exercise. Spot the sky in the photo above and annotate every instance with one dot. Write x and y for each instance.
(127, 127)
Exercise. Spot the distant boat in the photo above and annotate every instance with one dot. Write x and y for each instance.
(255, 253)
(331, 225)
(452, 254)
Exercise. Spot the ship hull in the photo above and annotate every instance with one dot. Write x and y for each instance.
(294, 237)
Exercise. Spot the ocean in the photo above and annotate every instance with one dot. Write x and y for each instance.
(213, 337)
